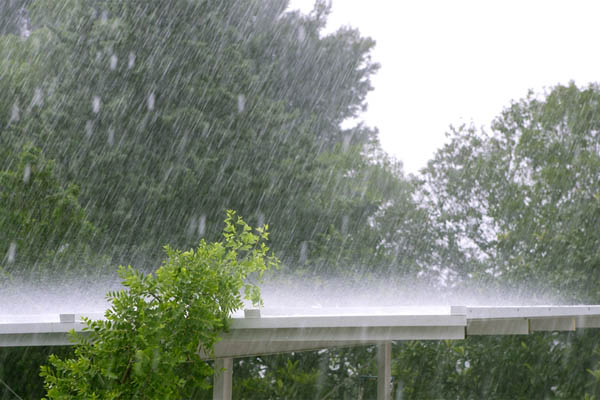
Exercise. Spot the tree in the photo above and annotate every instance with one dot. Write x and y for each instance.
(13, 16)
(522, 202)
(517, 208)
(164, 114)
(184, 108)
(39, 219)
(147, 347)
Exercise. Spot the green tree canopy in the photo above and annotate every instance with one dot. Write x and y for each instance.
(522, 202)
(516, 207)
(13, 16)
(166, 115)
(39, 218)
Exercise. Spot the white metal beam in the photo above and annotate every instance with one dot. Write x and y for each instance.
(271, 334)
(531, 311)
(359, 334)
(347, 321)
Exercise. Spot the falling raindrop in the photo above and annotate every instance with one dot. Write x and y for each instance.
(346, 142)
(301, 34)
(113, 62)
(303, 252)
(261, 220)
(12, 252)
(150, 101)
(183, 143)
(88, 129)
(168, 174)
(345, 221)
(96, 104)
(206, 129)
(38, 98)
(241, 103)
(202, 225)
(193, 224)
(131, 62)
(14, 114)
(27, 173)
(111, 136)
(24, 22)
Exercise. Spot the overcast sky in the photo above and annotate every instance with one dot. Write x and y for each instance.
(452, 62)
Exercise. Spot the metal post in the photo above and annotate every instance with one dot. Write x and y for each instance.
(384, 371)
(223, 379)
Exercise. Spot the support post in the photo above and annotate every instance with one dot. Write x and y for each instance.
(223, 379)
(384, 371)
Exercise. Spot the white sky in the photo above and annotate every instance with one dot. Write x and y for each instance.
(449, 62)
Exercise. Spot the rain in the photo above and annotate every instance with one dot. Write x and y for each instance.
(188, 174)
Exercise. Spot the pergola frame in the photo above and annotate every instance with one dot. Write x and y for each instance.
(253, 335)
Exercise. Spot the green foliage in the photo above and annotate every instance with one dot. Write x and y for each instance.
(39, 219)
(517, 208)
(196, 111)
(246, 107)
(487, 367)
(149, 342)
(12, 16)
(20, 369)
(323, 374)
(521, 204)
(286, 379)
(540, 365)
(164, 114)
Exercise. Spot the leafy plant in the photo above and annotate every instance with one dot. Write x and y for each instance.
(147, 346)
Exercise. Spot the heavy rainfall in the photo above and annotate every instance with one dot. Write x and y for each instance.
(204, 147)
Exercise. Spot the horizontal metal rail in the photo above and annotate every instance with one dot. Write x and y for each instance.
(274, 332)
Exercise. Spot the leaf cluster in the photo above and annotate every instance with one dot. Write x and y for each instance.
(149, 344)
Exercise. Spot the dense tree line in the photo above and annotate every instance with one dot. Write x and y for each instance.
(126, 126)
